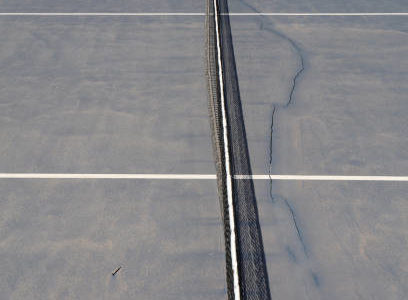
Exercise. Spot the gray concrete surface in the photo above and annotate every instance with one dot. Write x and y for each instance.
(120, 95)
(350, 243)
(199, 6)
(348, 110)
(328, 240)
(128, 95)
(102, 6)
(333, 6)
(104, 95)
(62, 239)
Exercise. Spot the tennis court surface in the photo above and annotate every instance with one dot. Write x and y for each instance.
(91, 92)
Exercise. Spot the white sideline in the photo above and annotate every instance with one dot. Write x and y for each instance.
(231, 217)
(135, 14)
(199, 177)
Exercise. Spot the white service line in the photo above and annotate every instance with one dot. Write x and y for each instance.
(101, 14)
(103, 176)
(199, 177)
(158, 14)
(231, 217)
(322, 177)
(321, 14)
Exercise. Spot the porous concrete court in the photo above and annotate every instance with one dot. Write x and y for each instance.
(127, 94)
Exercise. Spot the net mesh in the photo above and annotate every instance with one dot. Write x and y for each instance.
(216, 129)
(252, 270)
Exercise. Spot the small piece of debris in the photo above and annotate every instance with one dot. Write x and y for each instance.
(116, 271)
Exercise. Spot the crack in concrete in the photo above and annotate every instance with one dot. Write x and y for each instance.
(298, 51)
(271, 153)
(299, 71)
(295, 222)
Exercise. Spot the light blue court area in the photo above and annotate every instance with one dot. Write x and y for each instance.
(63, 239)
(105, 120)
(103, 94)
(317, 6)
(102, 6)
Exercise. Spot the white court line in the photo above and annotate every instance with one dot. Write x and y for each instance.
(322, 177)
(112, 14)
(102, 14)
(320, 14)
(228, 175)
(103, 176)
(199, 177)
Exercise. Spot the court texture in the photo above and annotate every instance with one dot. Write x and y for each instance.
(203, 149)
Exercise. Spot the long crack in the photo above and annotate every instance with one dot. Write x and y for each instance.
(299, 233)
(275, 107)
(299, 71)
(271, 153)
